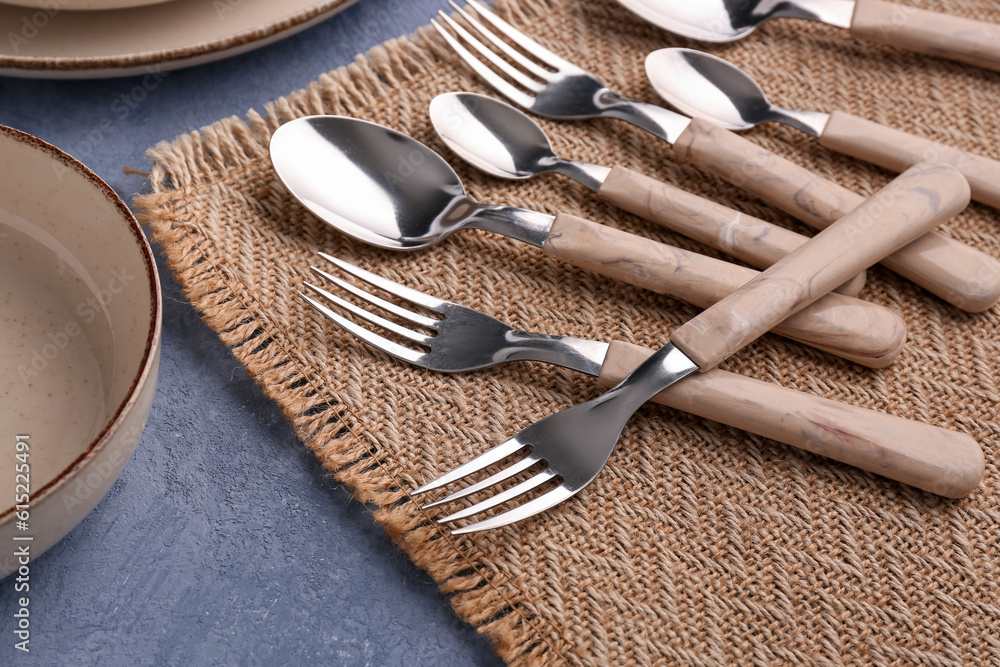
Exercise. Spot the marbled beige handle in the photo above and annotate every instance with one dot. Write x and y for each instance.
(930, 458)
(850, 328)
(959, 274)
(952, 37)
(755, 241)
(897, 150)
(921, 198)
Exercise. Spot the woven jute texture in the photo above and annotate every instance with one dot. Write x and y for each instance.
(697, 544)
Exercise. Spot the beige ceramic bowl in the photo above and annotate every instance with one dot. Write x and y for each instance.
(79, 337)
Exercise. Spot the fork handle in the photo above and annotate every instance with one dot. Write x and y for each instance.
(959, 274)
(755, 241)
(957, 38)
(897, 150)
(917, 201)
(857, 330)
(934, 459)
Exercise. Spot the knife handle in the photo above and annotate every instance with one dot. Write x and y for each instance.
(934, 459)
(921, 198)
(755, 241)
(897, 150)
(860, 331)
(959, 274)
(931, 33)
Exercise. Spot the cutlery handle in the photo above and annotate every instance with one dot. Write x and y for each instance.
(755, 241)
(934, 459)
(897, 150)
(959, 274)
(860, 331)
(921, 198)
(931, 33)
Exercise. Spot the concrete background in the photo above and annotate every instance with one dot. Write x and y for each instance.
(223, 543)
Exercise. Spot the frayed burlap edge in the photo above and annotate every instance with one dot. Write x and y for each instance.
(483, 597)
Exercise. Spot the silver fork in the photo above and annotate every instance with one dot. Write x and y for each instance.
(465, 339)
(561, 91)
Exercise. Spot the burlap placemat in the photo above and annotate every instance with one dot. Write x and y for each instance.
(698, 543)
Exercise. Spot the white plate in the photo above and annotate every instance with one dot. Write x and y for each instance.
(49, 43)
(79, 338)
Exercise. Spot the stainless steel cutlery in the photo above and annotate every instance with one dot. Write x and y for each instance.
(703, 85)
(901, 26)
(548, 85)
(388, 189)
(502, 141)
(565, 452)
(460, 339)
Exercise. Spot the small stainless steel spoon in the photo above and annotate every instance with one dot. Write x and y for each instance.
(961, 39)
(503, 141)
(700, 84)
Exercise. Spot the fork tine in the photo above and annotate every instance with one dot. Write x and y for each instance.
(519, 513)
(498, 63)
(522, 40)
(502, 497)
(513, 54)
(403, 292)
(506, 473)
(484, 460)
(391, 348)
(500, 84)
(406, 314)
(372, 317)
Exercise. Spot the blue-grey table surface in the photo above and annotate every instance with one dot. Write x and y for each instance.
(223, 542)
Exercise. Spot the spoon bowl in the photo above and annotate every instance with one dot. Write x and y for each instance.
(503, 141)
(383, 187)
(507, 145)
(705, 86)
(730, 20)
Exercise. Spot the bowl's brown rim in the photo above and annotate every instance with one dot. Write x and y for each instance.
(221, 45)
(155, 315)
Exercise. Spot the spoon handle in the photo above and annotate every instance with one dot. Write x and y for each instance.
(755, 241)
(953, 37)
(921, 198)
(934, 459)
(958, 273)
(897, 150)
(860, 331)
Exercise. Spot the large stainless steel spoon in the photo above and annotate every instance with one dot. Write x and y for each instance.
(388, 189)
(961, 39)
(503, 141)
(700, 84)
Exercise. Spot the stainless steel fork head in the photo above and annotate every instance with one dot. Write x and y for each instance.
(571, 446)
(461, 338)
(546, 83)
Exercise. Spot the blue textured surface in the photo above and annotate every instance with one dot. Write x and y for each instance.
(223, 542)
